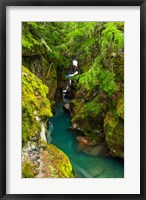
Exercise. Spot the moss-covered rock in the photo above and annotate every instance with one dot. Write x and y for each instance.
(38, 158)
(45, 161)
(35, 55)
(90, 113)
(120, 107)
(114, 134)
(44, 70)
(55, 164)
(34, 103)
(28, 170)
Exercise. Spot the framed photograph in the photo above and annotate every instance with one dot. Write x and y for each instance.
(72, 99)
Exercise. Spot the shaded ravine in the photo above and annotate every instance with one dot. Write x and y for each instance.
(84, 166)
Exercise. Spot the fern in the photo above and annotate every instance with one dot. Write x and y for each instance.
(112, 36)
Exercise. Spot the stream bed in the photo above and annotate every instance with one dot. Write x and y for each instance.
(84, 166)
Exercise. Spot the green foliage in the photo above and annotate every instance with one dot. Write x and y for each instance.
(102, 66)
(36, 26)
(31, 32)
(107, 83)
(99, 77)
(34, 103)
(112, 37)
(99, 49)
(28, 41)
(88, 79)
(28, 170)
(101, 70)
(66, 40)
(120, 107)
(91, 109)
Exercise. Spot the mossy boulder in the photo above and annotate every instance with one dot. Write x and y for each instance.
(55, 164)
(114, 134)
(46, 161)
(28, 170)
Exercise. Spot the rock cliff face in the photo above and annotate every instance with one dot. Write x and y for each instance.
(114, 128)
(43, 69)
(99, 114)
(95, 116)
(39, 159)
(35, 57)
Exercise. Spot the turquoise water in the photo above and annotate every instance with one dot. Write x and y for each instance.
(84, 166)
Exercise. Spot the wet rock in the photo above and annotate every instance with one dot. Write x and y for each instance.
(93, 151)
(83, 140)
(66, 107)
(92, 148)
(76, 126)
(72, 129)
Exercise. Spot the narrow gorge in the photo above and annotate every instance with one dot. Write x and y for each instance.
(72, 126)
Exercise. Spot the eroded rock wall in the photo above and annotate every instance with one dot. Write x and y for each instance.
(39, 159)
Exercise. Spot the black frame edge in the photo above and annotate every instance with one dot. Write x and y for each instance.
(71, 196)
(3, 5)
(73, 2)
(144, 104)
(3, 101)
(142, 94)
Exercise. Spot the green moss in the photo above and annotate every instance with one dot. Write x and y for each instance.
(56, 163)
(34, 102)
(31, 42)
(114, 134)
(28, 170)
(49, 73)
(120, 107)
(92, 109)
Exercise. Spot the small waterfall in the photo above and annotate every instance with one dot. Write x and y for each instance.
(65, 100)
(69, 76)
(49, 132)
(64, 97)
(67, 86)
(43, 127)
(43, 132)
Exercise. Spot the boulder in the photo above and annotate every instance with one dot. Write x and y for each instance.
(54, 164)
(66, 107)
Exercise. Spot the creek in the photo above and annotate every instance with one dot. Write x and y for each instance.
(84, 166)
